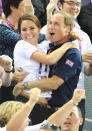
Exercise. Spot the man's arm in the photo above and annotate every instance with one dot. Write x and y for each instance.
(64, 111)
(45, 84)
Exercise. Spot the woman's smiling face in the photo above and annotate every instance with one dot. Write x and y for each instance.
(29, 31)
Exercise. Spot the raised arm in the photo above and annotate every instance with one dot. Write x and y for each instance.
(28, 7)
(18, 120)
(6, 63)
(50, 7)
(53, 57)
(65, 110)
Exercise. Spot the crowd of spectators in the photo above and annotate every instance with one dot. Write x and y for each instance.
(54, 60)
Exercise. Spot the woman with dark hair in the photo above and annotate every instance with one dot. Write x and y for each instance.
(12, 9)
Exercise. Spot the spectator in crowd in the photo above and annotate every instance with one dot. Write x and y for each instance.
(12, 9)
(20, 119)
(34, 54)
(8, 37)
(85, 19)
(73, 7)
(65, 75)
(22, 116)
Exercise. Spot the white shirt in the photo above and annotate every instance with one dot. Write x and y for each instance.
(28, 128)
(35, 127)
(22, 58)
(3, 129)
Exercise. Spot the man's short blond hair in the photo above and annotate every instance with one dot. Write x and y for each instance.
(68, 19)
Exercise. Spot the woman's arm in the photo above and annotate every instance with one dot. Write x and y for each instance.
(18, 120)
(53, 57)
(65, 110)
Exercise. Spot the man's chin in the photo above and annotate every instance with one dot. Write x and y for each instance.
(67, 128)
(50, 39)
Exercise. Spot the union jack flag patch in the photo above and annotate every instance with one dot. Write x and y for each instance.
(69, 62)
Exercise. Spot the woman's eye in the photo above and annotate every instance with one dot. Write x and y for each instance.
(32, 28)
(24, 29)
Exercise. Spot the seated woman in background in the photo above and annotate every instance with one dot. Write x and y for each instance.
(19, 121)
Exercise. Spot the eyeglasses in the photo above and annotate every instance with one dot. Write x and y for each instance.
(71, 3)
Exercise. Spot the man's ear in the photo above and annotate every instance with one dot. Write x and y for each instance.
(81, 121)
(59, 5)
(68, 28)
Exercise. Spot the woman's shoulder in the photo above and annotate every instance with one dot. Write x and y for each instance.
(7, 33)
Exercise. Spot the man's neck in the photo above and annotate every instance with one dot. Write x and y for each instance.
(65, 39)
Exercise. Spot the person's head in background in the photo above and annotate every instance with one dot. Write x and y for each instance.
(73, 121)
(49, 127)
(13, 9)
(29, 27)
(7, 110)
(60, 26)
(71, 6)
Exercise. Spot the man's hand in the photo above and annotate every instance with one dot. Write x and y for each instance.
(87, 57)
(18, 89)
(6, 62)
(35, 94)
(78, 95)
(18, 75)
(51, 6)
(28, 7)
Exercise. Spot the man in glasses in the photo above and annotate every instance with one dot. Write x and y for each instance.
(70, 6)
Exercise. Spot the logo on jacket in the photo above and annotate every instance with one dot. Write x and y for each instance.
(69, 62)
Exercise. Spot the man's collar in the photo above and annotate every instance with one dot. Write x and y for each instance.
(61, 41)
